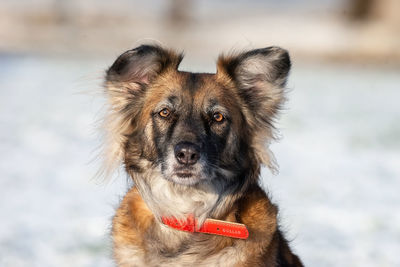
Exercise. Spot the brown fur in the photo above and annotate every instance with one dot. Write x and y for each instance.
(134, 221)
(248, 90)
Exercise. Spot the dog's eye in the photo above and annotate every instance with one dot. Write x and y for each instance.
(164, 113)
(218, 117)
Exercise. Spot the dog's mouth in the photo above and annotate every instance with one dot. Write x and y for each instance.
(184, 174)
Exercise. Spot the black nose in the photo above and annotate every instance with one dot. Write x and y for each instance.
(187, 153)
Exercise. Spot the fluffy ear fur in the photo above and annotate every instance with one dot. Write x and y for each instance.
(260, 77)
(126, 82)
(139, 66)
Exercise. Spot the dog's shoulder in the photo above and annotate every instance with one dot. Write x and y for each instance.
(266, 245)
(133, 218)
(257, 212)
(132, 215)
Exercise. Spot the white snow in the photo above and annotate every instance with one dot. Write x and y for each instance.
(339, 165)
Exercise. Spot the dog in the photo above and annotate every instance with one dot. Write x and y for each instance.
(194, 144)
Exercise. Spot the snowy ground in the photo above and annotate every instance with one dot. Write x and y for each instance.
(337, 188)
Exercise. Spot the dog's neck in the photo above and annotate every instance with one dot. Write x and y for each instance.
(167, 199)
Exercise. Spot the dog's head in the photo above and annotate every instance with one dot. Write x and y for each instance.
(193, 127)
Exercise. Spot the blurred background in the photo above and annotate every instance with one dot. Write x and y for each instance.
(339, 154)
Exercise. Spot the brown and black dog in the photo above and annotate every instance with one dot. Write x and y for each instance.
(194, 144)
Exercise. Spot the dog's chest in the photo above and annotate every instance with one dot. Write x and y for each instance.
(135, 256)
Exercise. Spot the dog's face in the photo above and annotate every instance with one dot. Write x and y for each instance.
(193, 127)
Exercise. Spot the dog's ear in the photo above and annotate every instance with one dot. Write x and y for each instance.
(126, 82)
(260, 76)
(138, 67)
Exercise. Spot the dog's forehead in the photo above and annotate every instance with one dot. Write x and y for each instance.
(188, 88)
(198, 85)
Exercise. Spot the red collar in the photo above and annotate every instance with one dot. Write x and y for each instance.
(210, 226)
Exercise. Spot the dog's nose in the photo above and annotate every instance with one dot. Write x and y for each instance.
(187, 153)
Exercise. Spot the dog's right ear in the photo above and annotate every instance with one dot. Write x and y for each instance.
(138, 67)
(126, 82)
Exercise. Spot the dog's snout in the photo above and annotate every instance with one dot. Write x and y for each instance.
(187, 153)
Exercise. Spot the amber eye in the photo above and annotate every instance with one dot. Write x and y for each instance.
(164, 113)
(218, 117)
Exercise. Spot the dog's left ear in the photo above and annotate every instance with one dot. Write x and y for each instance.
(260, 76)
